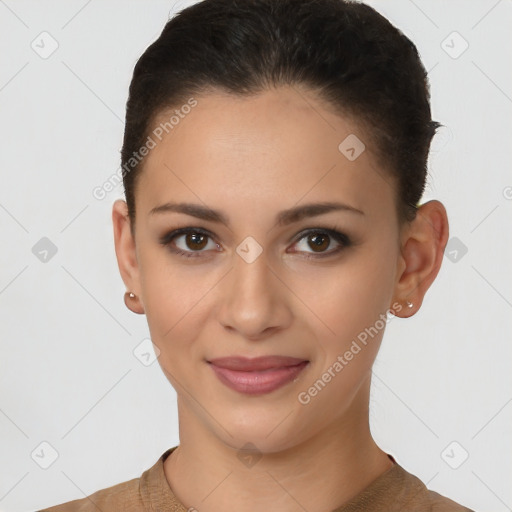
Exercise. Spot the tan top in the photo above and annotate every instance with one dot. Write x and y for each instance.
(393, 491)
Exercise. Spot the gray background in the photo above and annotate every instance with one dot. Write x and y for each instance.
(68, 373)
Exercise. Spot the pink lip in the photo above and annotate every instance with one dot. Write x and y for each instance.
(259, 375)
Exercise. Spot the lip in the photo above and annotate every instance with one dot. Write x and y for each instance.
(258, 375)
(246, 364)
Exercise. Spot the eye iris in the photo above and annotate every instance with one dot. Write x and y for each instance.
(191, 239)
(318, 241)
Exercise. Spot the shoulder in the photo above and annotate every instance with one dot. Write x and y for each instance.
(439, 503)
(419, 498)
(140, 494)
(397, 490)
(124, 496)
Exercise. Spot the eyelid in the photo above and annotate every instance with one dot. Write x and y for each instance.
(167, 239)
(334, 232)
(174, 233)
(340, 237)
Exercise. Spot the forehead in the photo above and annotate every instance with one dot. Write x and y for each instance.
(276, 148)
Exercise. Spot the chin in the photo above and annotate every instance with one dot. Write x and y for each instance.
(269, 434)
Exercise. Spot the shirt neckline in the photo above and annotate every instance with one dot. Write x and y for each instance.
(157, 493)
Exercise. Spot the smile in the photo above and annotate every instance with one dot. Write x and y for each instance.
(257, 376)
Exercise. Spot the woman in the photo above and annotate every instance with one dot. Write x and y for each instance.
(273, 162)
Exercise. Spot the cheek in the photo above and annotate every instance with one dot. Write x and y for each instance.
(172, 300)
(346, 302)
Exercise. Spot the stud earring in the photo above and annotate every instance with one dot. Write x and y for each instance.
(409, 304)
(127, 296)
(133, 303)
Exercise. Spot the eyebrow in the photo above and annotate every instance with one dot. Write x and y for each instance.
(283, 218)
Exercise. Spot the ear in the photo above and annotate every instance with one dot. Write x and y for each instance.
(422, 250)
(126, 255)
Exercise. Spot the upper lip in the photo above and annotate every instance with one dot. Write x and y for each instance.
(245, 364)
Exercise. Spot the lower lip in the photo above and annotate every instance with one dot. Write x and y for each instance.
(259, 382)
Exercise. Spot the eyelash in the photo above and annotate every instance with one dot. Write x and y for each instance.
(339, 237)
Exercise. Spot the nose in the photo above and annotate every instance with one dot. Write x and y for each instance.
(254, 299)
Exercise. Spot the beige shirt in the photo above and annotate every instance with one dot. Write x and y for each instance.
(393, 491)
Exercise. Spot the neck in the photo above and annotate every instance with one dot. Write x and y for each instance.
(321, 472)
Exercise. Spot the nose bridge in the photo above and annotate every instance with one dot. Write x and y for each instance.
(250, 298)
(251, 274)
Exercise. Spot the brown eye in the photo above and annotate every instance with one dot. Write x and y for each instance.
(195, 241)
(318, 242)
(188, 242)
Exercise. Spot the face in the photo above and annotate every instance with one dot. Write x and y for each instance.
(312, 284)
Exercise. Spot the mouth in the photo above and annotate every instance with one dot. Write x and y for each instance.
(259, 375)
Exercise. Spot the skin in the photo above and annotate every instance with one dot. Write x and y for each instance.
(251, 158)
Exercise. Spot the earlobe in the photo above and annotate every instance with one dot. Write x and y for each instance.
(133, 303)
(422, 255)
(126, 255)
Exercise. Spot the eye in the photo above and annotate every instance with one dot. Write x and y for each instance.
(194, 240)
(320, 240)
